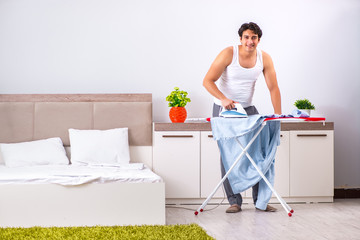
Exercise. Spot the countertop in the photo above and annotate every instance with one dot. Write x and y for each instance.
(206, 126)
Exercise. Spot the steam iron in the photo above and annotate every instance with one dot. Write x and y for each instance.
(237, 112)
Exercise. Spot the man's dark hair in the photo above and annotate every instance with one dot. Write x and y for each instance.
(251, 26)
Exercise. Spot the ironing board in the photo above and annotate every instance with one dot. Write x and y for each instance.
(286, 207)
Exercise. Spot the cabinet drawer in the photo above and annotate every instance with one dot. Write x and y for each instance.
(176, 158)
(311, 163)
(281, 184)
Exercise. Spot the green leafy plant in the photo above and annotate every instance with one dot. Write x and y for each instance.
(304, 104)
(178, 98)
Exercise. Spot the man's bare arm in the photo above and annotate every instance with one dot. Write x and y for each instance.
(271, 82)
(216, 69)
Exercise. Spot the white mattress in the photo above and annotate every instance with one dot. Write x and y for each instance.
(76, 175)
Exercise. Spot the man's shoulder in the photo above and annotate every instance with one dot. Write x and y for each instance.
(267, 61)
(265, 54)
(266, 57)
(226, 55)
(228, 50)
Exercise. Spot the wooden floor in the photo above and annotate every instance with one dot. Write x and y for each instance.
(338, 220)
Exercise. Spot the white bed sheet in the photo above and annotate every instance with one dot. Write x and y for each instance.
(77, 175)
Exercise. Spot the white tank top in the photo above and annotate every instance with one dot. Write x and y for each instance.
(238, 83)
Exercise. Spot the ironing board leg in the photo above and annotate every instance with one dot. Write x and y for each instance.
(281, 200)
(203, 205)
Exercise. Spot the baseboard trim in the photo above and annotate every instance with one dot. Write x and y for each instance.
(247, 200)
(347, 193)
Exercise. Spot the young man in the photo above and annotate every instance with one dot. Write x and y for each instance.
(237, 68)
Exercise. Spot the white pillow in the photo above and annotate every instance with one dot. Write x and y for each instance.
(41, 152)
(99, 146)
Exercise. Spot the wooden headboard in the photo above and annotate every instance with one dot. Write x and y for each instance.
(27, 117)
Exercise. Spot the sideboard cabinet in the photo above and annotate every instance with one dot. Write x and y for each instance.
(187, 158)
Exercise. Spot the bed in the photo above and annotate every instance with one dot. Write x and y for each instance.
(126, 201)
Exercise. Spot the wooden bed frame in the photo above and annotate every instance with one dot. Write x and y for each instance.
(27, 117)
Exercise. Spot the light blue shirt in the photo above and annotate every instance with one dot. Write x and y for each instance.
(262, 151)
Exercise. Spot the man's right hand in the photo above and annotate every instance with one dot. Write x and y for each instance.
(228, 103)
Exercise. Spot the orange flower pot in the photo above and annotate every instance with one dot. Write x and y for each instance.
(177, 114)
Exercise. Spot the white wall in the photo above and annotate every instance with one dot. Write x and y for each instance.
(122, 46)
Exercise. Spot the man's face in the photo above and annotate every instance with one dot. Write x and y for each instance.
(249, 40)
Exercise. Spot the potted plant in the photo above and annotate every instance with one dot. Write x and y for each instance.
(304, 105)
(177, 101)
